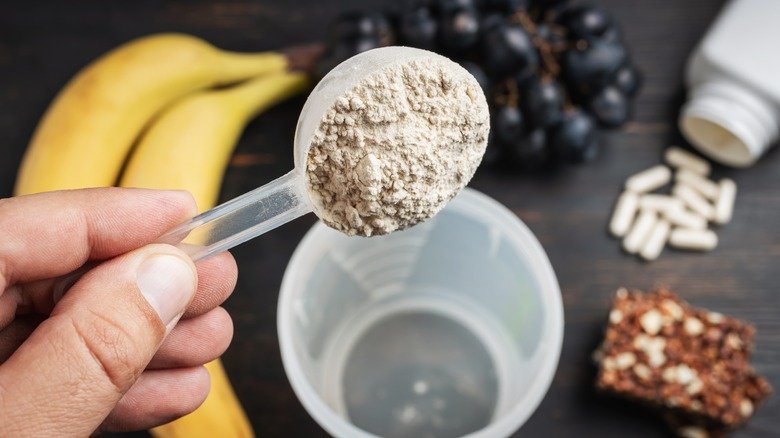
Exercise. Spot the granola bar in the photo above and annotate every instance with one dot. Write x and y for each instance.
(690, 362)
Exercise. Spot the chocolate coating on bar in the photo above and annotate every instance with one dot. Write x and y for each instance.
(694, 362)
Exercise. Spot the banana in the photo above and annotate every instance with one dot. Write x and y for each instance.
(91, 125)
(188, 147)
(220, 415)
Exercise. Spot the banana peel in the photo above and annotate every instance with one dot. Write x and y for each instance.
(88, 130)
(188, 147)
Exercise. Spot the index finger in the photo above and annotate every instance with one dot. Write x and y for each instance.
(51, 234)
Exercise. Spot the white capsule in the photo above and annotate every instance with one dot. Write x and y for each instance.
(640, 231)
(706, 187)
(683, 159)
(623, 216)
(649, 179)
(702, 240)
(693, 200)
(684, 218)
(656, 241)
(659, 203)
(724, 206)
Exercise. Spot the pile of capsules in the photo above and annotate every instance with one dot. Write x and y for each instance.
(647, 221)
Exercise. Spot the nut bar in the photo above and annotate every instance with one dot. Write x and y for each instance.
(690, 362)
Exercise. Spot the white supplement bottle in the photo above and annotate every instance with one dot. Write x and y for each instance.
(733, 109)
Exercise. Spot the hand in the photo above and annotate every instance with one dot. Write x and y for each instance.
(105, 353)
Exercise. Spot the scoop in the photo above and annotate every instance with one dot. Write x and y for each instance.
(287, 197)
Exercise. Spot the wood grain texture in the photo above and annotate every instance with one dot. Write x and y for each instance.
(43, 43)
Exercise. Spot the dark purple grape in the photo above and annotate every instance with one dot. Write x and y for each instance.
(352, 24)
(525, 78)
(574, 139)
(459, 31)
(384, 31)
(610, 107)
(343, 50)
(508, 124)
(508, 49)
(355, 25)
(448, 7)
(491, 21)
(530, 150)
(361, 45)
(543, 31)
(479, 75)
(418, 28)
(543, 103)
(612, 35)
(590, 69)
(586, 22)
(628, 80)
(506, 6)
(549, 34)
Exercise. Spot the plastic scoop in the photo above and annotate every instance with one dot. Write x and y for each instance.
(287, 197)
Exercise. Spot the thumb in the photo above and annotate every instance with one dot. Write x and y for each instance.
(75, 367)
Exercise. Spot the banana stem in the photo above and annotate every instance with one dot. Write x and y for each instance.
(256, 95)
(238, 66)
(304, 57)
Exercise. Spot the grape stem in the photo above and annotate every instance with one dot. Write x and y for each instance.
(550, 65)
(512, 96)
(549, 68)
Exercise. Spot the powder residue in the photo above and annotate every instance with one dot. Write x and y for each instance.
(393, 150)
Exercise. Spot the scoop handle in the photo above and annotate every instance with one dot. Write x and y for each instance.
(242, 218)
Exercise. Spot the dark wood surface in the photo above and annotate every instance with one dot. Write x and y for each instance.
(43, 43)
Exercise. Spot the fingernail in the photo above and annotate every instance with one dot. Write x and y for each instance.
(168, 283)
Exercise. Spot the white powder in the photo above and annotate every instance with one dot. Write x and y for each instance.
(397, 147)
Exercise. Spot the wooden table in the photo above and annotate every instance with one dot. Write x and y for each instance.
(42, 43)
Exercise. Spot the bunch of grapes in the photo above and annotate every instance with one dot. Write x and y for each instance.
(552, 71)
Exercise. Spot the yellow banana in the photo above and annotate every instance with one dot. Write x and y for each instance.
(188, 147)
(90, 126)
(220, 415)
